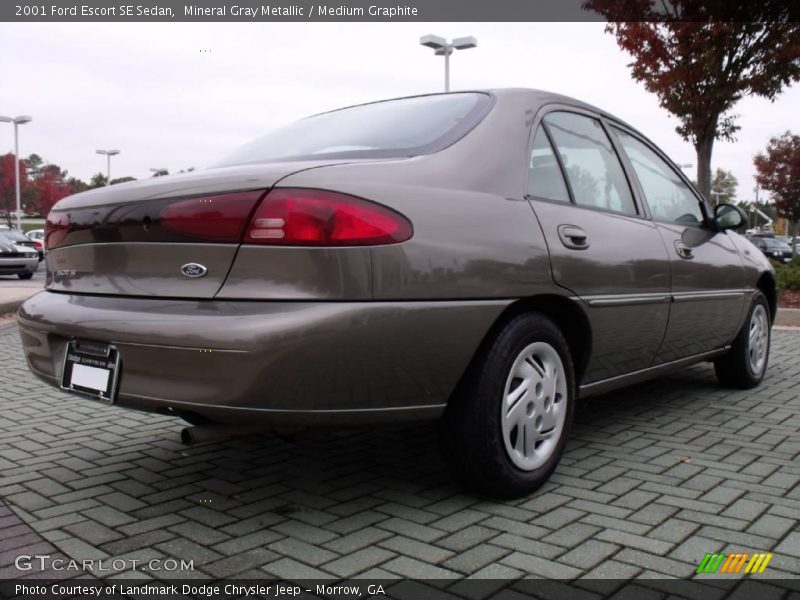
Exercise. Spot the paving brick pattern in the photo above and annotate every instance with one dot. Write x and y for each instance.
(654, 477)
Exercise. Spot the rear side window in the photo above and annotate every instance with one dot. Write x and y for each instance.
(394, 128)
(669, 198)
(593, 169)
(545, 179)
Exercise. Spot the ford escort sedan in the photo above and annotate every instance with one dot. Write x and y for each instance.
(482, 258)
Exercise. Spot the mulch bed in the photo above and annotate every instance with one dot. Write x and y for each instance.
(789, 299)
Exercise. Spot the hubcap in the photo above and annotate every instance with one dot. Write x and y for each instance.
(758, 342)
(534, 406)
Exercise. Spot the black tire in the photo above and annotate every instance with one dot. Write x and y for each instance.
(734, 369)
(472, 436)
(24, 275)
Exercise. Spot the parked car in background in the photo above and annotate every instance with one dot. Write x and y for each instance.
(21, 239)
(16, 259)
(774, 248)
(37, 235)
(482, 258)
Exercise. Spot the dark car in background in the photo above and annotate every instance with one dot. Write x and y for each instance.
(482, 258)
(774, 248)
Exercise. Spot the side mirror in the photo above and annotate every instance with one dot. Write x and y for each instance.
(728, 216)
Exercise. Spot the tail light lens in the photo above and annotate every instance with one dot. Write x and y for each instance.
(219, 218)
(307, 217)
(56, 229)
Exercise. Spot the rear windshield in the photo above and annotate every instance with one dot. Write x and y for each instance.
(405, 127)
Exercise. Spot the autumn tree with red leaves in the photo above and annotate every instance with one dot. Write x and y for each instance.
(778, 172)
(700, 67)
(51, 185)
(8, 194)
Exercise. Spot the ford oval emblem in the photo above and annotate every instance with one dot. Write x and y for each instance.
(194, 270)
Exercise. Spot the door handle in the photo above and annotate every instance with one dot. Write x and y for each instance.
(683, 250)
(573, 237)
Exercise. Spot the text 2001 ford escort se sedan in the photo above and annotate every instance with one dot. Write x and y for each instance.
(482, 258)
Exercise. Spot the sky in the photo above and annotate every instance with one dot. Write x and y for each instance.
(181, 95)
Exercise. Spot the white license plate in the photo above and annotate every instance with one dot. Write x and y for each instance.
(91, 369)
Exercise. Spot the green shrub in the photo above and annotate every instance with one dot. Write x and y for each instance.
(788, 275)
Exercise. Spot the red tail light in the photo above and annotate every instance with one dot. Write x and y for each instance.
(56, 229)
(219, 218)
(307, 217)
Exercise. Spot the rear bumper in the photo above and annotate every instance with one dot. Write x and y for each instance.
(276, 362)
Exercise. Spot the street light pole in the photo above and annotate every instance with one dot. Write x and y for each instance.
(444, 48)
(109, 154)
(17, 121)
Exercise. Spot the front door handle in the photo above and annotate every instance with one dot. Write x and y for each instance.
(683, 250)
(573, 237)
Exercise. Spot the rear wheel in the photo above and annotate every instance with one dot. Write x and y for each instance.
(507, 424)
(25, 275)
(744, 365)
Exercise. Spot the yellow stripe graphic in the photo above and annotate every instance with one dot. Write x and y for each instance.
(764, 564)
(755, 563)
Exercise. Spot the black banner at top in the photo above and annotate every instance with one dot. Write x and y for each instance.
(393, 10)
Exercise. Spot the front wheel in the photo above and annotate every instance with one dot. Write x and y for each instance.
(744, 365)
(506, 426)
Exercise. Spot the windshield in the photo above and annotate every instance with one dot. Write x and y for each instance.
(404, 127)
(774, 244)
(5, 239)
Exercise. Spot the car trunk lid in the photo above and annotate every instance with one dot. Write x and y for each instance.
(143, 238)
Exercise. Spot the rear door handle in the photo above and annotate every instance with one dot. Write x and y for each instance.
(573, 237)
(683, 250)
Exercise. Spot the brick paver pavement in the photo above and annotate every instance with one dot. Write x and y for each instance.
(654, 477)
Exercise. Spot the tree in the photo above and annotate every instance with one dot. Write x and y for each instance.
(8, 194)
(122, 180)
(160, 172)
(699, 66)
(778, 172)
(723, 187)
(33, 164)
(97, 180)
(51, 186)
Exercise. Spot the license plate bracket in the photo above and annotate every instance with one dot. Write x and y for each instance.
(91, 369)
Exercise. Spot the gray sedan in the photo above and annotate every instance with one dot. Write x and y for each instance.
(16, 259)
(481, 258)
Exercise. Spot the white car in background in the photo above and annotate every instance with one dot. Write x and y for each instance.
(16, 259)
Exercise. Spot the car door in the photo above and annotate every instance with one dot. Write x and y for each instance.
(707, 276)
(602, 247)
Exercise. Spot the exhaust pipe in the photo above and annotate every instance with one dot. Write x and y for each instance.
(202, 434)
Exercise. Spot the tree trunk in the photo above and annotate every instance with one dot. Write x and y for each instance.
(703, 148)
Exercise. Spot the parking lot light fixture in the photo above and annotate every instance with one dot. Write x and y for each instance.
(109, 154)
(17, 121)
(442, 47)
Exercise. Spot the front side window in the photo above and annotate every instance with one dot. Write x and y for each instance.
(544, 175)
(669, 198)
(593, 168)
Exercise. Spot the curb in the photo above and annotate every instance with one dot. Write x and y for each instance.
(788, 317)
